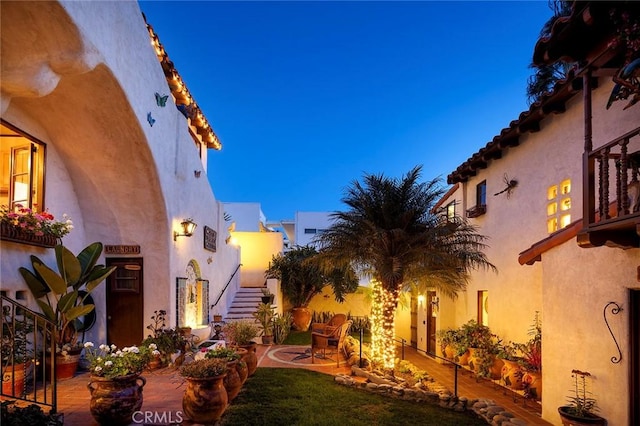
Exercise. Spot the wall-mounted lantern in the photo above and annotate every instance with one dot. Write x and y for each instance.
(188, 226)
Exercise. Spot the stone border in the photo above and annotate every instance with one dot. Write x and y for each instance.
(431, 392)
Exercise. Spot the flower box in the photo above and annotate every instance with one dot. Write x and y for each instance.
(15, 234)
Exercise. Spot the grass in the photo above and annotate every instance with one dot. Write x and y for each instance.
(289, 396)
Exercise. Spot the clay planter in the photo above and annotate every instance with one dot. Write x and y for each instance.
(250, 358)
(205, 400)
(232, 381)
(533, 382)
(241, 366)
(464, 358)
(449, 352)
(13, 379)
(511, 374)
(66, 366)
(301, 319)
(15, 234)
(113, 401)
(572, 420)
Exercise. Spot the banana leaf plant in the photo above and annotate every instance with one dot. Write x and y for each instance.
(61, 295)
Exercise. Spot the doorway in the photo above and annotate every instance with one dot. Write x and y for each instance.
(125, 302)
(634, 353)
(431, 322)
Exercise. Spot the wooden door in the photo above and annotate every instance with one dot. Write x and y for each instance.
(414, 321)
(634, 345)
(431, 323)
(125, 302)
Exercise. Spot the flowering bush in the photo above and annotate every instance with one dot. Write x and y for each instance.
(36, 223)
(111, 362)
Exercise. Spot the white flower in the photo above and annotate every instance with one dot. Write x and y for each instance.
(88, 345)
(98, 369)
(108, 363)
(58, 350)
(153, 346)
(156, 352)
(104, 348)
(113, 347)
(134, 349)
(99, 359)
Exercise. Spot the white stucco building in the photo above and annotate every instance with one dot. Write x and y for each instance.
(90, 86)
(564, 239)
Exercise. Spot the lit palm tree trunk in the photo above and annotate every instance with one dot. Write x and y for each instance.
(383, 310)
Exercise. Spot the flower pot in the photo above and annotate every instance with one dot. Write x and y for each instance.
(268, 299)
(464, 358)
(113, 401)
(232, 381)
(301, 318)
(532, 382)
(13, 379)
(267, 340)
(156, 362)
(66, 365)
(511, 374)
(15, 234)
(205, 400)
(250, 358)
(569, 419)
(241, 366)
(473, 359)
(449, 352)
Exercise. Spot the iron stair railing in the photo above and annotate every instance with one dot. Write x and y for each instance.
(227, 285)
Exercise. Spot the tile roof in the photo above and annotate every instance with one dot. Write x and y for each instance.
(183, 98)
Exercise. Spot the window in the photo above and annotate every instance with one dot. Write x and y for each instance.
(451, 211)
(22, 169)
(483, 307)
(309, 230)
(481, 193)
(558, 206)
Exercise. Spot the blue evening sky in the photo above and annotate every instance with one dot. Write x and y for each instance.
(306, 97)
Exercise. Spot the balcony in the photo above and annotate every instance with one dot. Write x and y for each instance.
(611, 205)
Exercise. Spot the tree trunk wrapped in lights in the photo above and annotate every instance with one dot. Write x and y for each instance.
(399, 232)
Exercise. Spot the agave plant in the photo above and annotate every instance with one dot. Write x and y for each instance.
(61, 295)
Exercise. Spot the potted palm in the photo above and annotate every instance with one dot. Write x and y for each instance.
(64, 297)
(302, 276)
(582, 407)
(264, 314)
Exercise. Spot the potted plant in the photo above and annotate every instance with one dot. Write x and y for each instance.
(512, 372)
(167, 341)
(282, 327)
(267, 296)
(448, 338)
(531, 361)
(264, 314)
(241, 333)
(116, 384)
(471, 336)
(29, 226)
(302, 276)
(232, 381)
(582, 407)
(16, 352)
(205, 398)
(62, 296)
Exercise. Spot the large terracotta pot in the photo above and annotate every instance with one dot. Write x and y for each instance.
(66, 365)
(241, 366)
(511, 374)
(449, 352)
(113, 401)
(13, 379)
(572, 420)
(232, 381)
(205, 400)
(251, 358)
(301, 318)
(473, 359)
(532, 382)
(464, 358)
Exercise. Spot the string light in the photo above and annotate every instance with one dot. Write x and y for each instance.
(383, 326)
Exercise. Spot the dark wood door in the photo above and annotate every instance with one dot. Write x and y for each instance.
(634, 332)
(125, 302)
(431, 324)
(414, 322)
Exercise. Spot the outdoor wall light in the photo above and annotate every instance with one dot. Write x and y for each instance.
(188, 226)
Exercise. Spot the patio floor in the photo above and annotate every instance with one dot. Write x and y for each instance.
(163, 391)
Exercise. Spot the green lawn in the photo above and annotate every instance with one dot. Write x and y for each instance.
(289, 396)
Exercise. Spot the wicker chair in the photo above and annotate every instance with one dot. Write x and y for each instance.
(320, 342)
(327, 327)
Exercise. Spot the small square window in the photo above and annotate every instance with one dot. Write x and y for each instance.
(309, 230)
(552, 208)
(552, 192)
(552, 225)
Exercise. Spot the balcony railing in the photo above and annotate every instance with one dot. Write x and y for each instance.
(611, 205)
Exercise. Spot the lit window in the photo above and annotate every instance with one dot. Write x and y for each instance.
(451, 211)
(559, 206)
(22, 170)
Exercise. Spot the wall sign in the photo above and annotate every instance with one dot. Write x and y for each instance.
(121, 249)
(210, 237)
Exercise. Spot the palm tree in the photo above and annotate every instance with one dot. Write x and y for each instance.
(545, 76)
(393, 232)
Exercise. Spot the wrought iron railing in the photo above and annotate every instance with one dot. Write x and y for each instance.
(225, 287)
(28, 356)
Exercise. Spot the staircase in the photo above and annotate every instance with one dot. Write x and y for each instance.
(244, 304)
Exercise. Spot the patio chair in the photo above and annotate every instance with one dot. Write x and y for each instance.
(327, 327)
(320, 342)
